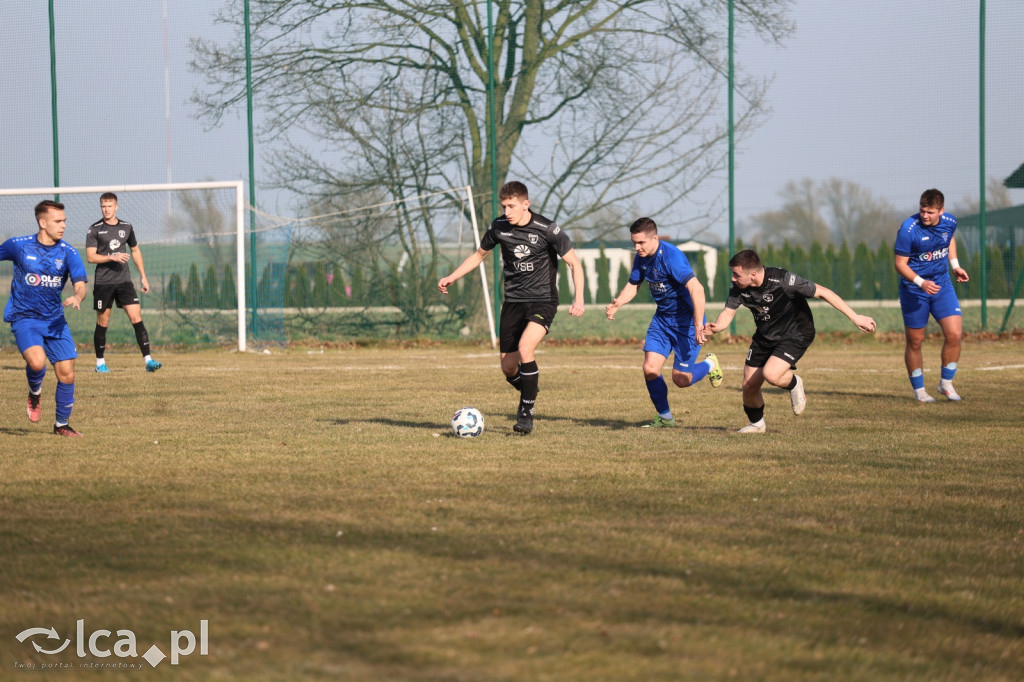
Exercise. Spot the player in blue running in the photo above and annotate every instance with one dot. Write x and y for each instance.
(925, 248)
(43, 263)
(677, 326)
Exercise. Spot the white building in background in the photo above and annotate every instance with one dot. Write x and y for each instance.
(619, 257)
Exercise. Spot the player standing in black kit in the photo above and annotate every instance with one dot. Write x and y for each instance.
(107, 245)
(785, 329)
(530, 247)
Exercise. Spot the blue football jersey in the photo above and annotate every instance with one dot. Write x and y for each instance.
(667, 272)
(926, 247)
(40, 273)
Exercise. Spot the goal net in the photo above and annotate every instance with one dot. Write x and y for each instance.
(189, 235)
(370, 271)
(365, 272)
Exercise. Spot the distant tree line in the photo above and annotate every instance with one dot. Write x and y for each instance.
(862, 273)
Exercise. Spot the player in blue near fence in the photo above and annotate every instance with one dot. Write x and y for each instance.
(784, 329)
(43, 263)
(530, 247)
(107, 245)
(677, 325)
(925, 248)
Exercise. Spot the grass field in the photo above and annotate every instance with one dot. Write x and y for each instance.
(311, 507)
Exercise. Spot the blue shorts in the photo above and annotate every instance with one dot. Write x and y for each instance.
(917, 305)
(53, 335)
(665, 339)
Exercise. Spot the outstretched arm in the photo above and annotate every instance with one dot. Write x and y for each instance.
(863, 322)
(472, 260)
(723, 320)
(627, 294)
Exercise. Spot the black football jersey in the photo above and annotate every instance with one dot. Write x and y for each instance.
(530, 254)
(110, 239)
(779, 305)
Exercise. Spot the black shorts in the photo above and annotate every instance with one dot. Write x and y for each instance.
(105, 295)
(516, 314)
(789, 349)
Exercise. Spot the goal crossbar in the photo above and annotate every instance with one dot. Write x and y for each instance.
(170, 187)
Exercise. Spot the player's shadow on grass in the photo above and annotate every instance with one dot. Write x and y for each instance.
(621, 425)
(16, 431)
(502, 425)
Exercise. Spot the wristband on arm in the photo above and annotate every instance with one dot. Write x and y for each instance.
(954, 263)
(919, 281)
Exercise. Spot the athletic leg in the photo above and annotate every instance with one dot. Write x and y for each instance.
(528, 342)
(779, 372)
(913, 357)
(657, 389)
(65, 397)
(753, 400)
(952, 336)
(35, 370)
(99, 338)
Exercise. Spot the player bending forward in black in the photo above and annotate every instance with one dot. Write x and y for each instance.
(530, 247)
(785, 329)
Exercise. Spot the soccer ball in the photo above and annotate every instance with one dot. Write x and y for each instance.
(467, 422)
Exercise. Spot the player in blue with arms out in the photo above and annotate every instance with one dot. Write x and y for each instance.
(678, 323)
(925, 248)
(43, 263)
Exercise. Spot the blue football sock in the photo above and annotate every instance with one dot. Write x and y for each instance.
(35, 379)
(658, 390)
(917, 379)
(699, 372)
(65, 401)
(949, 371)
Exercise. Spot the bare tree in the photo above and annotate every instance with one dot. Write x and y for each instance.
(996, 196)
(596, 103)
(799, 221)
(856, 216)
(833, 210)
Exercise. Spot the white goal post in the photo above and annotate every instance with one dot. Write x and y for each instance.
(239, 219)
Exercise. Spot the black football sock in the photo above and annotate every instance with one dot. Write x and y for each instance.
(516, 381)
(99, 341)
(754, 414)
(792, 384)
(142, 337)
(528, 391)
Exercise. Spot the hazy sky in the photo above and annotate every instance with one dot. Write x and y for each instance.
(877, 92)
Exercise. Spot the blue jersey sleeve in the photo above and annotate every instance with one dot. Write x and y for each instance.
(904, 242)
(679, 267)
(636, 277)
(74, 264)
(7, 250)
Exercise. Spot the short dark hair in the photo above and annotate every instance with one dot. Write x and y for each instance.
(643, 225)
(746, 259)
(44, 206)
(107, 196)
(932, 198)
(513, 190)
